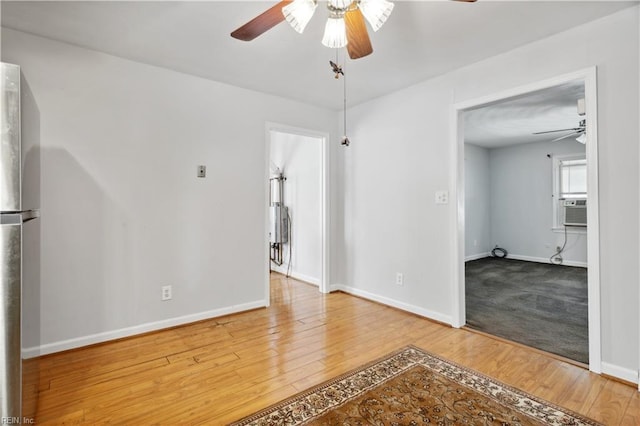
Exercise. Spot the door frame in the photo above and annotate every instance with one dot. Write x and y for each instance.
(589, 76)
(324, 210)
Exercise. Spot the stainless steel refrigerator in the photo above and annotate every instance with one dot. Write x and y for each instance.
(13, 216)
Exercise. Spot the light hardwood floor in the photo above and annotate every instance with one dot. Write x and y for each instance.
(216, 371)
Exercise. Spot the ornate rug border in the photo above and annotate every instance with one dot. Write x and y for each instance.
(322, 385)
(425, 356)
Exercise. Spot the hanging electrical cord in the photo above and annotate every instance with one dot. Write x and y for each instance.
(556, 259)
(288, 274)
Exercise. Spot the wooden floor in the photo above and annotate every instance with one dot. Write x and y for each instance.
(216, 371)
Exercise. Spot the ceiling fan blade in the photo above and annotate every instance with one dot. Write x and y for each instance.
(261, 23)
(573, 129)
(466, 1)
(566, 136)
(359, 44)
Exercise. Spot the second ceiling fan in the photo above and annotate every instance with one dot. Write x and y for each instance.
(579, 131)
(345, 25)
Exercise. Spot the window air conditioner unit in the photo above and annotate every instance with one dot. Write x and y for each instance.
(575, 212)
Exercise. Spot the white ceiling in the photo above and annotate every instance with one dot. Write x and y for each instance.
(514, 121)
(420, 40)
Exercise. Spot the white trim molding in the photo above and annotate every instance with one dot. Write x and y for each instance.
(546, 260)
(436, 316)
(528, 259)
(92, 339)
(293, 274)
(625, 374)
(477, 256)
(589, 76)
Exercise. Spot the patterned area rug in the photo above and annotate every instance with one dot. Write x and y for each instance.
(413, 387)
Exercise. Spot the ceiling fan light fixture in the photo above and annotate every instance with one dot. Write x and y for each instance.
(340, 4)
(299, 12)
(582, 139)
(376, 12)
(335, 32)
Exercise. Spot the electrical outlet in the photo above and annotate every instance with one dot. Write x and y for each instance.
(399, 278)
(166, 293)
(442, 197)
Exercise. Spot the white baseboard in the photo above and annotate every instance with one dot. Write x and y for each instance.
(394, 303)
(336, 287)
(620, 372)
(298, 276)
(527, 258)
(79, 342)
(477, 256)
(546, 260)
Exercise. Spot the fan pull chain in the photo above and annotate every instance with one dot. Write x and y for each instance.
(345, 140)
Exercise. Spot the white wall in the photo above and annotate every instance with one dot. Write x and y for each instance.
(400, 155)
(522, 203)
(123, 212)
(300, 159)
(477, 202)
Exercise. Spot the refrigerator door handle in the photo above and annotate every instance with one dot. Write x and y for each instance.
(16, 218)
(28, 215)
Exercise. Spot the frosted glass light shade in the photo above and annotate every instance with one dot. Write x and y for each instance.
(340, 4)
(376, 12)
(582, 139)
(299, 12)
(335, 33)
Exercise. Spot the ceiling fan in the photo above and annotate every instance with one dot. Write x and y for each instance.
(345, 25)
(579, 131)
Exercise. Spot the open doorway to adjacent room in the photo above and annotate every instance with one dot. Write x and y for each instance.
(296, 204)
(528, 242)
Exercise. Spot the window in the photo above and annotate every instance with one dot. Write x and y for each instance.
(569, 183)
(573, 178)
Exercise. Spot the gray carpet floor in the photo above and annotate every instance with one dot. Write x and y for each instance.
(540, 305)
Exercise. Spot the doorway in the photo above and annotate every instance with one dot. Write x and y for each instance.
(472, 244)
(296, 210)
